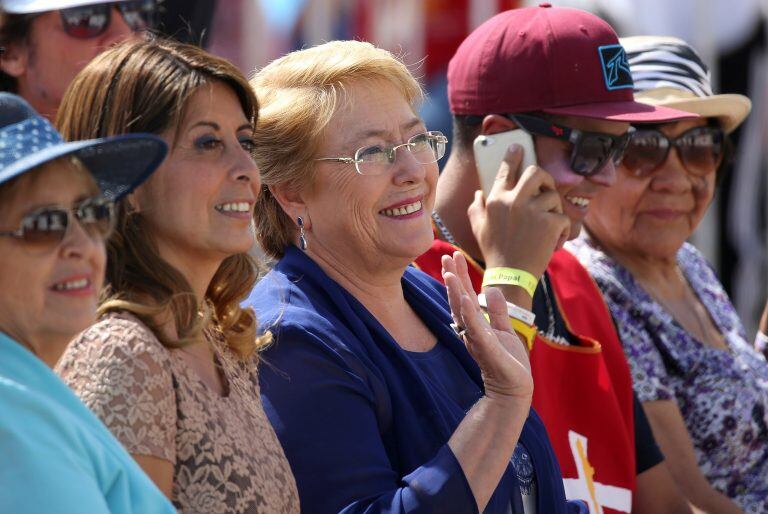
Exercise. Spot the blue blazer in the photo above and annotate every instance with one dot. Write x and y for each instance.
(359, 425)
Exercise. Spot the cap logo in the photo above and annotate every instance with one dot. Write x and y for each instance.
(615, 67)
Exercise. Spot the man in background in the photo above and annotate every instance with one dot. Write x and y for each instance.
(47, 42)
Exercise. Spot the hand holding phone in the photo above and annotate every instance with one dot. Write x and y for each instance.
(518, 219)
(490, 150)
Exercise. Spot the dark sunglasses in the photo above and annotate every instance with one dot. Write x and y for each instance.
(590, 150)
(91, 21)
(45, 228)
(700, 150)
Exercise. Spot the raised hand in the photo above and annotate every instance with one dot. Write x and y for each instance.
(502, 357)
(521, 223)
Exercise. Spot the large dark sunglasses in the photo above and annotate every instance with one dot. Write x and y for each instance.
(590, 150)
(45, 228)
(700, 150)
(91, 21)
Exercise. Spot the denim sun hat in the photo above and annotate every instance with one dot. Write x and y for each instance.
(119, 163)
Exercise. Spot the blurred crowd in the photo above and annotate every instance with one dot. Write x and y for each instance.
(383, 256)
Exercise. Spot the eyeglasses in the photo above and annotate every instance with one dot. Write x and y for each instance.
(426, 148)
(591, 150)
(44, 229)
(700, 150)
(91, 21)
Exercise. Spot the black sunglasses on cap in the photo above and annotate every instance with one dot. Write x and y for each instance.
(700, 150)
(590, 150)
(89, 21)
(44, 229)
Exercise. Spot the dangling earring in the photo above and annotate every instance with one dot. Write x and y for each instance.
(302, 239)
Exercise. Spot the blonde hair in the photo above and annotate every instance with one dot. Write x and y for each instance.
(144, 86)
(299, 94)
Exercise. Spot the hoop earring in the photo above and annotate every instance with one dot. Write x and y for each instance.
(302, 239)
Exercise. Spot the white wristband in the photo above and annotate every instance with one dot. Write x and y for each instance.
(513, 311)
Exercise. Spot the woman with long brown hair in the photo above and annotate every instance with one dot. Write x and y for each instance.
(171, 365)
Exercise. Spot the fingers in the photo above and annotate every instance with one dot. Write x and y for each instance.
(476, 210)
(509, 171)
(497, 309)
(472, 319)
(462, 271)
(452, 285)
(535, 180)
(448, 264)
(455, 293)
(548, 201)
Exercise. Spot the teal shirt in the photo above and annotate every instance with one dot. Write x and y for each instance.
(55, 455)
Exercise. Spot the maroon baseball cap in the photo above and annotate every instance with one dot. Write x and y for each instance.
(552, 59)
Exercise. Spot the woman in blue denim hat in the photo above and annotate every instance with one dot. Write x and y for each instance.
(56, 212)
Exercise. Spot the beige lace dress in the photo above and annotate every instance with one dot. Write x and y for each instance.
(226, 456)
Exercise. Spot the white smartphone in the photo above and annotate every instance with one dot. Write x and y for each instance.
(490, 150)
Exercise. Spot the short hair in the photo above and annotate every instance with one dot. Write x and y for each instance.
(299, 95)
(14, 29)
(145, 86)
(465, 130)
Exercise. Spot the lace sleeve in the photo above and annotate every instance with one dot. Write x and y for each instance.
(122, 373)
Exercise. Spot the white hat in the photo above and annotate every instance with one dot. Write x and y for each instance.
(667, 71)
(36, 6)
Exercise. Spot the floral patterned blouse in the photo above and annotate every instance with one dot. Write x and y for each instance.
(722, 395)
(226, 456)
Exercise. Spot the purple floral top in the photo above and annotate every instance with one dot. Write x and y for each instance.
(722, 396)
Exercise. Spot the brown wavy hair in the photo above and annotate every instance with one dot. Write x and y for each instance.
(145, 86)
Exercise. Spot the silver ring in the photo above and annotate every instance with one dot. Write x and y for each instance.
(460, 331)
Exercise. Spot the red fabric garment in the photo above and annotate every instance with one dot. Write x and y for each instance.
(583, 393)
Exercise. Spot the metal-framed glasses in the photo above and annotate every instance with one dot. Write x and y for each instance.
(426, 148)
(45, 228)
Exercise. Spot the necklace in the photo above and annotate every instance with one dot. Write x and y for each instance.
(443, 229)
(703, 335)
(550, 332)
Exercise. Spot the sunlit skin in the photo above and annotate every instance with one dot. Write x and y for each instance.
(348, 227)
(209, 166)
(358, 241)
(46, 63)
(653, 216)
(32, 310)
(554, 156)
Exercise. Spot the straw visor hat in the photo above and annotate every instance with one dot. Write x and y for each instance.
(667, 71)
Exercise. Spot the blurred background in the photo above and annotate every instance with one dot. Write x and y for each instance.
(730, 35)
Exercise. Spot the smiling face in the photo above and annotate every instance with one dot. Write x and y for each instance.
(653, 215)
(199, 203)
(576, 192)
(48, 295)
(373, 222)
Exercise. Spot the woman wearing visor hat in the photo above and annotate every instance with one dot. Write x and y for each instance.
(56, 211)
(703, 386)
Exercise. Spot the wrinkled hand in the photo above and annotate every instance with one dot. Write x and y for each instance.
(521, 223)
(498, 351)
